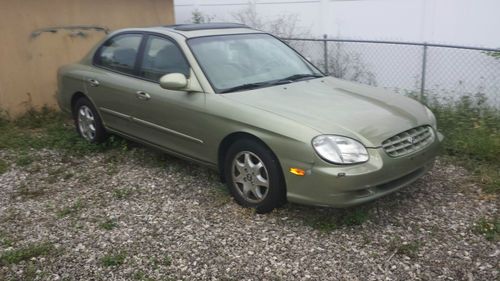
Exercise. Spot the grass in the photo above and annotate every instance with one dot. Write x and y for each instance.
(47, 128)
(4, 166)
(471, 127)
(140, 275)
(70, 210)
(30, 192)
(122, 193)
(114, 259)
(25, 253)
(409, 249)
(489, 228)
(5, 240)
(24, 159)
(109, 224)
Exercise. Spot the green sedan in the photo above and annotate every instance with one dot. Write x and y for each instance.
(246, 104)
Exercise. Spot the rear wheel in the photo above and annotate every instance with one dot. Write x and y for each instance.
(87, 121)
(253, 176)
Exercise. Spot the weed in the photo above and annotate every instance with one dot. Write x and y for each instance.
(114, 259)
(355, 217)
(324, 223)
(409, 249)
(30, 272)
(49, 129)
(490, 228)
(4, 166)
(123, 193)
(5, 240)
(108, 224)
(25, 253)
(471, 127)
(140, 275)
(24, 160)
(68, 175)
(69, 210)
(167, 260)
(30, 192)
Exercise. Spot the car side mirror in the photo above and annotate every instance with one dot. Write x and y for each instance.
(173, 81)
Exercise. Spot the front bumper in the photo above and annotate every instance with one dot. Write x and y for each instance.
(343, 186)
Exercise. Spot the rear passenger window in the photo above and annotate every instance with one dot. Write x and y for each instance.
(162, 56)
(120, 53)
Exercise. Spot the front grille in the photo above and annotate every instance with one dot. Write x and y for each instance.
(408, 141)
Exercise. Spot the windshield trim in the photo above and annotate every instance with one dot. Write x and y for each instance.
(219, 91)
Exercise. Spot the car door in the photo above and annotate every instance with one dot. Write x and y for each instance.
(111, 86)
(171, 119)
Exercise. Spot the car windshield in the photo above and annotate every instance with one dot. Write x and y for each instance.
(247, 61)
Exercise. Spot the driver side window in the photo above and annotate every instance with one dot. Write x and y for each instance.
(162, 56)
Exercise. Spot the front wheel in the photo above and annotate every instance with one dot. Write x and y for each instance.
(253, 176)
(87, 121)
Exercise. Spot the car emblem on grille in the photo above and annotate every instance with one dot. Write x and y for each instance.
(411, 140)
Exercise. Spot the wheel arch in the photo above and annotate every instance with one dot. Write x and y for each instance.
(232, 138)
(75, 97)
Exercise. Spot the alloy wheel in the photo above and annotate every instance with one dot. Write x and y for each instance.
(250, 176)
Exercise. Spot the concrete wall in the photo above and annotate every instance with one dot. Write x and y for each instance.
(29, 61)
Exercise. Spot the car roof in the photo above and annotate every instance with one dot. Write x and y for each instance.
(199, 30)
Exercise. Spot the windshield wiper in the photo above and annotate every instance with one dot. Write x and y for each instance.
(297, 77)
(248, 86)
(285, 80)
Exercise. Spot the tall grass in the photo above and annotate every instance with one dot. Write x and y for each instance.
(47, 128)
(471, 126)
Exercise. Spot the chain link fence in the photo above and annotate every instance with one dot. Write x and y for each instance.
(442, 72)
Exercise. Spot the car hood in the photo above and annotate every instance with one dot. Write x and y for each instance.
(334, 106)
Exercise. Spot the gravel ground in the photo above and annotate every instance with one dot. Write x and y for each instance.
(132, 216)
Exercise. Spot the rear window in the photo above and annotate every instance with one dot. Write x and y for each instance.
(120, 53)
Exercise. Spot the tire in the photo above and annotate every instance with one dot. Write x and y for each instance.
(88, 123)
(250, 166)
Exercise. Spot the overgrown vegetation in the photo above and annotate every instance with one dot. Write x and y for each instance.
(490, 228)
(47, 128)
(471, 126)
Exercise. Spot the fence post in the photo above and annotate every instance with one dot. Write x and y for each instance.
(424, 70)
(325, 54)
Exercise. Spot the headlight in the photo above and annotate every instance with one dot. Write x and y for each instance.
(432, 118)
(340, 150)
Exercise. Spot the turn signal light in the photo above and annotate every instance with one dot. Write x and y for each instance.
(297, 171)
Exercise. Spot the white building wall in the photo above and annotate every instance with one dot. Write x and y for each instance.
(464, 22)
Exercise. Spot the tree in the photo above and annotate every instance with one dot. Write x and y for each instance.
(284, 26)
(348, 65)
(199, 17)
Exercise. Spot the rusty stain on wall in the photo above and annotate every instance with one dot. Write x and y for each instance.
(38, 36)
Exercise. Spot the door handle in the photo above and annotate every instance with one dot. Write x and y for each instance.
(142, 95)
(93, 83)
